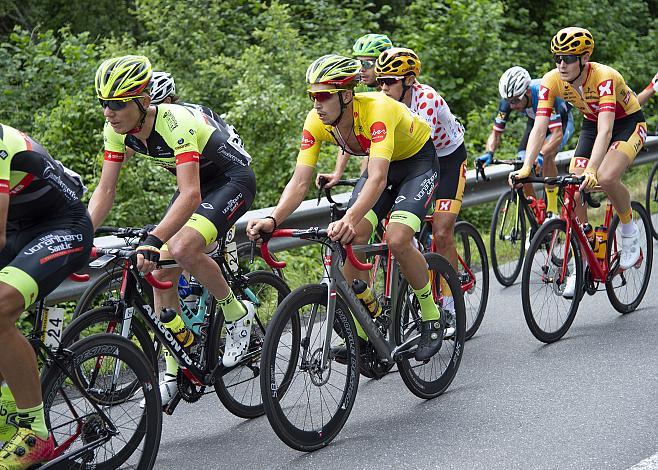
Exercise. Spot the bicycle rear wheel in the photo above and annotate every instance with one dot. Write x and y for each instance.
(429, 379)
(507, 238)
(473, 258)
(239, 389)
(651, 200)
(547, 312)
(132, 437)
(626, 289)
(309, 408)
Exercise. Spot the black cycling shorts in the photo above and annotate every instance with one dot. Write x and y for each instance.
(224, 200)
(450, 192)
(410, 189)
(40, 254)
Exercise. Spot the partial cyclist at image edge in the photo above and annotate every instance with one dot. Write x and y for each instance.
(397, 71)
(613, 131)
(650, 90)
(520, 93)
(45, 235)
(401, 177)
(215, 186)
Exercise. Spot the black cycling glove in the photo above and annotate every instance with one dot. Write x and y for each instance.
(150, 248)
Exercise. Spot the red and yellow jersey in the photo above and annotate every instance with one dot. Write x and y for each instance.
(384, 128)
(604, 90)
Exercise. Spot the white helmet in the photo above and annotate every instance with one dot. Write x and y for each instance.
(162, 85)
(513, 83)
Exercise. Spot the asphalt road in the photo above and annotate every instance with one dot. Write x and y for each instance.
(585, 402)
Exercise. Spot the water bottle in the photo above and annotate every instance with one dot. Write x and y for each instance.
(365, 295)
(174, 323)
(588, 230)
(7, 409)
(601, 242)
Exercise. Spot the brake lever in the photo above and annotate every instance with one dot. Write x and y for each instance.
(253, 252)
(322, 181)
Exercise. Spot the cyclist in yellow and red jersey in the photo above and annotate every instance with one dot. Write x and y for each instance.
(45, 235)
(613, 132)
(401, 177)
(215, 183)
(397, 71)
(650, 90)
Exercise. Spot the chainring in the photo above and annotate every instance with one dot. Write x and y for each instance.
(188, 391)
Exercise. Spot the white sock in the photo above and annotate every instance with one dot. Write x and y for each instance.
(628, 230)
(448, 303)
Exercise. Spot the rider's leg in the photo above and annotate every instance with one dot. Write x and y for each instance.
(612, 168)
(413, 266)
(18, 362)
(549, 169)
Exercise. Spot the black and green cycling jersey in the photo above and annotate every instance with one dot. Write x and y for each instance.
(181, 134)
(35, 181)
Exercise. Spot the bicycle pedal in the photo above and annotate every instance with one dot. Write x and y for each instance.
(171, 406)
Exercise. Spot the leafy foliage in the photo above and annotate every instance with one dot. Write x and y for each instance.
(247, 58)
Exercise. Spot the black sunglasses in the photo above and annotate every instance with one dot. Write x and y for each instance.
(568, 59)
(114, 105)
(388, 81)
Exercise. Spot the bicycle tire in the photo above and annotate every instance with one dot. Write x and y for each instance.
(613, 290)
(547, 237)
(474, 308)
(101, 316)
(55, 383)
(279, 396)
(651, 200)
(225, 389)
(507, 271)
(406, 322)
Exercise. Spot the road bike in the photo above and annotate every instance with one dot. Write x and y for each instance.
(97, 422)
(131, 315)
(308, 407)
(558, 250)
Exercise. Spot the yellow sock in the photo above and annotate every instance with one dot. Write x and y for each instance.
(626, 217)
(551, 199)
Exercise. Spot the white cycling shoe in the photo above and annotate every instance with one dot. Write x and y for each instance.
(570, 287)
(238, 334)
(630, 250)
(168, 389)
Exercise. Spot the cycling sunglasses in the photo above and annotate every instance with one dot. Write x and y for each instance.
(388, 81)
(568, 58)
(114, 105)
(515, 100)
(367, 64)
(324, 95)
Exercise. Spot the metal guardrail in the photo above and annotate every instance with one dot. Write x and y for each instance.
(312, 214)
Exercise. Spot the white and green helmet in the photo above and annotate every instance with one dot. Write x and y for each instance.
(333, 69)
(371, 45)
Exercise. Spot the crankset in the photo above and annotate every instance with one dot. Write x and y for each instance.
(188, 391)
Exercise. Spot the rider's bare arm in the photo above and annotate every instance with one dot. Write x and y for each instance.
(551, 145)
(493, 142)
(536, 140)
(103, 197)
(294, 193)
(188, 200)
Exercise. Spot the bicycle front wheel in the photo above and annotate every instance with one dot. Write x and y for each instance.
(239, 389)
(309, 407)
(473, 270)
(429, 379)
(121, 432)
(626, 289)
(651, 200)
(507, 238)
(547, 266)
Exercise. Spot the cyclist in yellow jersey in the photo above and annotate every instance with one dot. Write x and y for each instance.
(215, 187)
(650, 90)
(613, 132)
(401, 177)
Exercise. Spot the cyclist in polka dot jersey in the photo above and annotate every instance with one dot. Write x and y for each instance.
(397, 70)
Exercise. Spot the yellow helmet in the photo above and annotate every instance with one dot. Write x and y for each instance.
(123, 77)
(333, 69)
(572, 40)
(397, 62)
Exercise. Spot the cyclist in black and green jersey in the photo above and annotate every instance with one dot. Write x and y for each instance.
(216, 186)
(45, 235)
